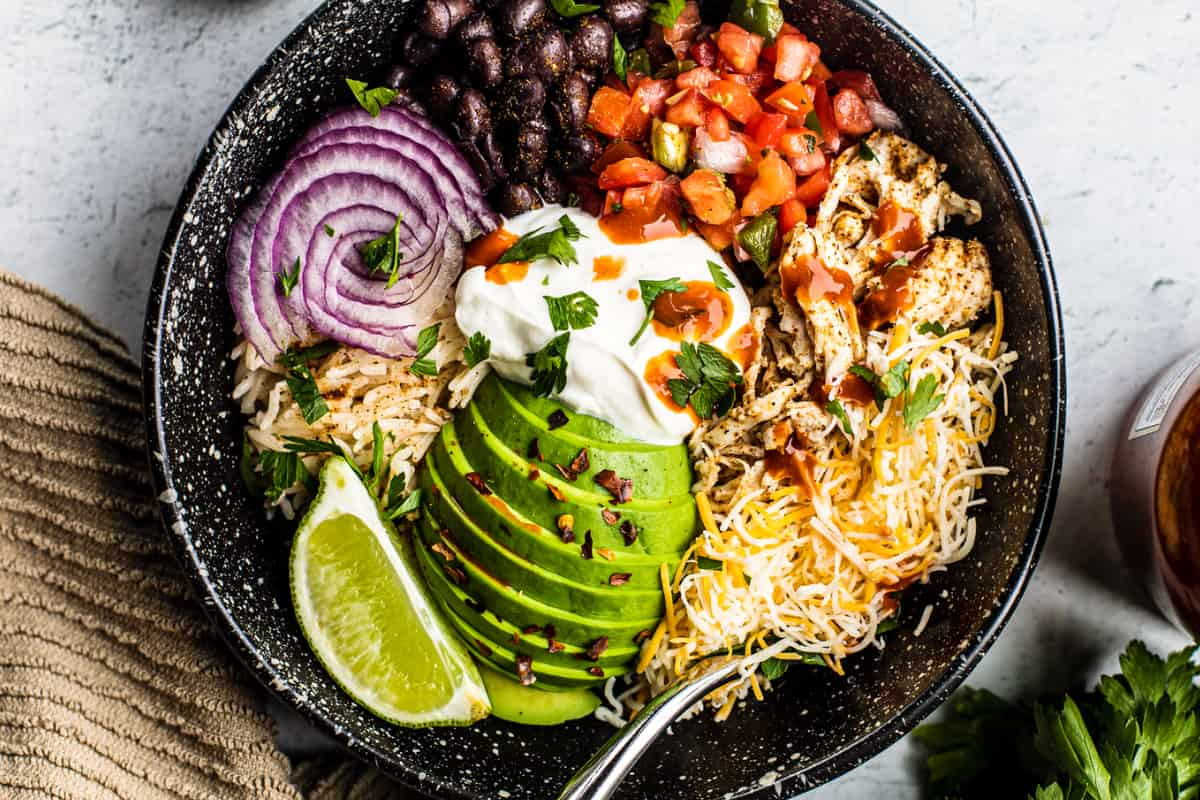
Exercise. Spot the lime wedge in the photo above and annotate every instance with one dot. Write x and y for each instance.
(368, 617)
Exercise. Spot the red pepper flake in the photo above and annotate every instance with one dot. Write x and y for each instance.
(535, 450)
(476, 480)
(605, 553)
(555, 492)
(455, 574)
(442, 551)
(597, 671)
(610, 517)
(619, 578)
(550, 631)
(642, 636)
(629, 532)
(534, 473)
(557, 419)
(581, 462)
(528, 629)
(475, 605)
(586, 550)
(620, 488)
(556, 647)
(525, 670)
(484, 649)
(595, 650)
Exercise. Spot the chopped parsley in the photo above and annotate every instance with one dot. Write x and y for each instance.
(396, 504)
(865, 153)
(620, 58)
(281, 471)
(650, 291)
(774, 668)
(288, 280)
(426, 340)
(704, 562)
(899, 262)
(549, 366)
(303, 386)
(383, 254)
(758, 237)
(665, 12)
(934, 327)
(373, 100)
(576, 310)
(888, 385)
(298, 444)
(709, 380)
(835, 408)
(330, 232)
(569, 8)
(919, 402)
(478, 348)
(294, 358)
(555, 244)
(813, 123)
(721, 281)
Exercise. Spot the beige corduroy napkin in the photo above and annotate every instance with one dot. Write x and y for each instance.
(112, 684)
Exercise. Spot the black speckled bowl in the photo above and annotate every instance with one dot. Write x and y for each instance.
(816, 725)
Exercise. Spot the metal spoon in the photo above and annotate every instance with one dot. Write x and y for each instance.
(600, 777)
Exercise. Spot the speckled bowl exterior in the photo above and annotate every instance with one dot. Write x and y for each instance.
(816, 725)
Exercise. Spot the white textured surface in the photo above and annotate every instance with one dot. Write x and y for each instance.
(104, 103)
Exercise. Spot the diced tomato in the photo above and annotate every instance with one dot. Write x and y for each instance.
(719, 236)
(812, 189)
(612, 200)
(821, 72)
(791, 214)
(736, 99)
(486, 250)
(741, 183)
(754, 153)
(850, 113)
(688, 110)
(824, 109)
(793, 99)
(708, 196)
(804, 154)
(609, 111)
(679, 36)
(716, 124)
(696, 78)
(617, 150)
(767, 129)
(808, 163)
(796, 58)
(774, 184)
(740, 47)
(857, 81)
(647, 213)
(631, 172)
(788, 29)
(648, 101)
(755, 80)
(704, 53)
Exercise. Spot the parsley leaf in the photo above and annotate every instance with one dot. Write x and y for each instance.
(555, 244)
(773, 668)
(813, 123)
(383, 254)
(709, 382)
(288, 280)
(303, 386)
(549, 366)
(758, 237)
(373, 100)
(426, 340)
(375, 474)
(718, 275)
(294, 358)
(620, 59)
(298, 444)
(478, 348)
(665, 12)
(406, 506)
(888, 385)
(934, 327)
(569, 8)
(919, 402)
(330, 232)
(576, 310)
(865, 153)
(650, 291)
(835, 408)
(280, 472)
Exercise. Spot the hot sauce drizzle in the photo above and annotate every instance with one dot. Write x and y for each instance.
(700, 313)
(898, 231)
(507, 272)
(743, 346)
(793, 462)
(660, 369)
(607, 268)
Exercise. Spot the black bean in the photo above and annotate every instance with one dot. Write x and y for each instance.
(489, 145)
(591, 44)
(442, 93)
(407, 98)
(484, 63)
(548, 53)
(591, 77)
(398, 76)
(529, 150)
(476, 26)
(515, 17)
(551, 186)
(517, 198)
(569, 104)
(418, 50)
(479, 162)
(520, 98)
(579, 152)
(440, 17)
(472, 114)
(626, 16)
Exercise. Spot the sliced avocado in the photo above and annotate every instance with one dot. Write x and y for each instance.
(665, 525)
(529, 705)
(521, 609)
(595, 597)
(657, 470)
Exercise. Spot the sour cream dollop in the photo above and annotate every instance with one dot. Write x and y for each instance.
(606, 377)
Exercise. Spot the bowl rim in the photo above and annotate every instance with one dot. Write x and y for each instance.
(801, 780)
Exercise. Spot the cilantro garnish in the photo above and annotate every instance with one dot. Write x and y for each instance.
(888, 385)
(478, 348)
(383, 254)
(835, 408)
(919, 402)
(865, 153)
(576, 310)
(555, 244)
(569, 8)
(934, 327)
(665, 12)
(426, 340)
(303, 386)
(758, 237)
(294, 358)
(549, 366)
(620, 58)
(813, 123)
(708, 382)
(280, 472)
(718, 275)
(373, 100)
(287, 280)
(395, 504)
(650, 292)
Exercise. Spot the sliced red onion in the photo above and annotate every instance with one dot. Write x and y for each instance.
(728, 157)
(883, 117)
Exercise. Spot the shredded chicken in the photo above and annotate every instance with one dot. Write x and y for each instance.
(952, 283)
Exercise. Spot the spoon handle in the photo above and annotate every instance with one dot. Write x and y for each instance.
(599, 778)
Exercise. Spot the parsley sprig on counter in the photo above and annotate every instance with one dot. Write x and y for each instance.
(549, 366)
(1135, 737)
(650, 290)
(576, 310)
(709, 380)
(555, 244)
